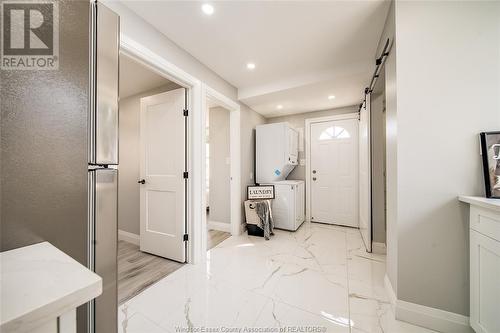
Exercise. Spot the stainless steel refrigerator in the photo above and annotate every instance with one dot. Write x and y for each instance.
(59, 152)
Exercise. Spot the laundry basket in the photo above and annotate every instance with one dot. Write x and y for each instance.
(253, 220)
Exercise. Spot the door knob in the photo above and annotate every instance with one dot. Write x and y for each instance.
(314, 178)
(142, 181)
(314, 171)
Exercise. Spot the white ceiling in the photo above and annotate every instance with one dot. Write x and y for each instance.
(303, 50)
(136, 78)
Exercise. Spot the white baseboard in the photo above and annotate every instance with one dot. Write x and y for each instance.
(424, 316)
(436, 319)
(390, 291)
(221, 226)
(379, 248)
(128, 237)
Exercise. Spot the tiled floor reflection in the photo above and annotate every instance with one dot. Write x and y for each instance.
(319, 276)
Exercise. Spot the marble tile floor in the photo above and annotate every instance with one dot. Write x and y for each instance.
(318, 279)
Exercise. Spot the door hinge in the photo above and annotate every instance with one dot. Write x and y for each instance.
(186, 112)
(186, 175)
(186, 237)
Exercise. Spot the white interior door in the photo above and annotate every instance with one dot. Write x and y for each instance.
(162, 166)
(334, 172)
(365, 202)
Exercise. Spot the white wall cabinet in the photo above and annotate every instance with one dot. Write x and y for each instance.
(484, 264)
(485, 283)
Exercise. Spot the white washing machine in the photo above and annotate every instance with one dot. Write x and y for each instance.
(289, 204)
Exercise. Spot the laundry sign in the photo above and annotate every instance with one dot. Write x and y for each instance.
(260, 192)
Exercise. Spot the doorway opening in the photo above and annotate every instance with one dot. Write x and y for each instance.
(152, 189)
(218, 174)
(221, 168)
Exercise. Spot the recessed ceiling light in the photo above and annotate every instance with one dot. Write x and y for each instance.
(279, 106)
(251, 65)
(331, 97)
(208, 9)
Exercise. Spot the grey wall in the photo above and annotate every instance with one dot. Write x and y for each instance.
(298, 121)
(129, 149)
(391, 149)
(448, 90)
(43, 170)
(249, 119)
(220, 169)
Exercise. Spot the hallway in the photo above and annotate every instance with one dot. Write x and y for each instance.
(319, 276)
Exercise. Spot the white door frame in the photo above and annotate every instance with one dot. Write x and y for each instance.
(195, 252)
(235, 156)
(307, 138)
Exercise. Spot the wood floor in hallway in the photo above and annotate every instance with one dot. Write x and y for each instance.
(138, 270)
(215, 237)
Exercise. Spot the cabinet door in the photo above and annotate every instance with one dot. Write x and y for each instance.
(484, 283)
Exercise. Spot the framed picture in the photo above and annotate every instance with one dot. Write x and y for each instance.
(490, 151)
(260, 192)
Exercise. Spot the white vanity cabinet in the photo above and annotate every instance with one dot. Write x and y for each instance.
(41, 287)
(484, 264)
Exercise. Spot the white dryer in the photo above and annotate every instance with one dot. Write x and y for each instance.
(289, 204)
(276, 147)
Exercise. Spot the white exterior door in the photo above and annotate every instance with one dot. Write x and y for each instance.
(334, 172)
(365, 200)
(162, 166)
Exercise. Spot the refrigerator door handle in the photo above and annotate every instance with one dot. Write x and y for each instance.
(92, 84)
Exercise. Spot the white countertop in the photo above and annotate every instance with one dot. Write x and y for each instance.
(39, 283)
(493, 204)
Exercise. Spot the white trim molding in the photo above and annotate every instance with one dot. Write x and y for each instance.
(390, 291)
(220, 226)
(379, 248)
(128, 237)
(435, 319)
(234, 152)
(195, 212)
(425, 316)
